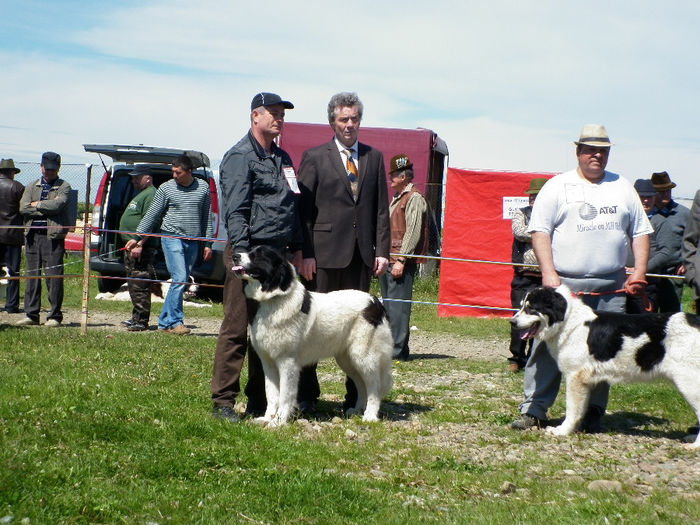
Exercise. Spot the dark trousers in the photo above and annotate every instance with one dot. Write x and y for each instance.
(399, 312)
(42, 252)
(10, 255)
(356, 276)
(231, 347)
(664, 295)
(519, 287)
(140, 291)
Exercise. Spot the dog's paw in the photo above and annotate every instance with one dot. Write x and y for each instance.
(370, 418)
(353, 412)
(561, 430)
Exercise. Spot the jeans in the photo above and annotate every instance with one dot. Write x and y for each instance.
(180, 256)
(399, 313)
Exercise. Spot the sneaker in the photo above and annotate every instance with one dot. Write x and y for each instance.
(52, 323)
(526, 421)
(180, 329)
(591, 422)
(27, 322)
(136, 327)
(225, 412)
(127, 323)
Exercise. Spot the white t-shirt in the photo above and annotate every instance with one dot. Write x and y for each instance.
(590, 224)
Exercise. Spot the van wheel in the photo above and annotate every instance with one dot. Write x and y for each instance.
(108, 285)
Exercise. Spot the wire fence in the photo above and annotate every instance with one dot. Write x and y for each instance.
(87, 230)
(73, 174)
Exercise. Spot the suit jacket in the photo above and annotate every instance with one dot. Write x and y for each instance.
(333, 222)
(691, 254)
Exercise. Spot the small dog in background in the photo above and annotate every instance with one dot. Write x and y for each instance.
(158, 292)
(591, 346)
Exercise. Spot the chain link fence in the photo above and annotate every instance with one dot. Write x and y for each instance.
(74, 174)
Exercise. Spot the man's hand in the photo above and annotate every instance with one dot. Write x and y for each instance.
(380, 265)
(207, 254)
(397, 269)
(130, 245)
(551, 279)
(308, 268)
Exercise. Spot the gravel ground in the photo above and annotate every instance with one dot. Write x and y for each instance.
(641, 459)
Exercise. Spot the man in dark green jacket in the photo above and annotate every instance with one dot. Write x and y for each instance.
(139, 259)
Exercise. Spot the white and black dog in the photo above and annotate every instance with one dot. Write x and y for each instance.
(293, 328)
(593, 346)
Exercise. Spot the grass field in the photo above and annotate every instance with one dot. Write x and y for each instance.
(114, 428)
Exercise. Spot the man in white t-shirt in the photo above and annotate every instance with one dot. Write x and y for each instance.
(582, 225)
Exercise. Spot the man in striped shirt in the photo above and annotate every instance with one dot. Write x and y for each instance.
(184, 203)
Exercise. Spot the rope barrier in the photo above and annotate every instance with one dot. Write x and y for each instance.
(636, 285)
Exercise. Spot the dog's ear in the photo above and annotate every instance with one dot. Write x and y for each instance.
(556, 307)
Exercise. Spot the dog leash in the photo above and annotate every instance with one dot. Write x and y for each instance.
(631, 288)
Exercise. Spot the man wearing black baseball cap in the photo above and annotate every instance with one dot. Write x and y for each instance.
(44, 205)
(254, 175)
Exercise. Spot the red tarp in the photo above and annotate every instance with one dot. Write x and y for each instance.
(478, 207)
(297, 137)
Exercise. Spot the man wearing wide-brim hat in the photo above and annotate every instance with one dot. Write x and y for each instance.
(11, 233)
(669, 225)
(582, 224)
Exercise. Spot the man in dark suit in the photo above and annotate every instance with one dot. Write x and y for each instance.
(345, 214)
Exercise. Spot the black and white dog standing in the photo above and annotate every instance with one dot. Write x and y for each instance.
(590, 347)
(293, 328)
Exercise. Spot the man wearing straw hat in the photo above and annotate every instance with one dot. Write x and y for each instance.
(581, 225)
(11, 235)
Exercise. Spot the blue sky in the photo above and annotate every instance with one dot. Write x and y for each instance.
(506, 84)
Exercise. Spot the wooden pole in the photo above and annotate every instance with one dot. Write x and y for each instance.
(86, 255)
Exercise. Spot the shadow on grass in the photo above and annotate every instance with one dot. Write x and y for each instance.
(414, 357)
(389, 410)
(634, 424)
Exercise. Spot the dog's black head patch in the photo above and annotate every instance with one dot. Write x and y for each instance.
(548, 302)
(270, 268)
(374, 312)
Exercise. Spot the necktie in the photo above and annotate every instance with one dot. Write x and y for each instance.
(352, 171)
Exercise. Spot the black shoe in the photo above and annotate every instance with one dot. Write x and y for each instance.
(127, 323)
(307, 407)
(526, 421)
(11, 310)
(136, 327)
(591, 422)
(225, 412)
